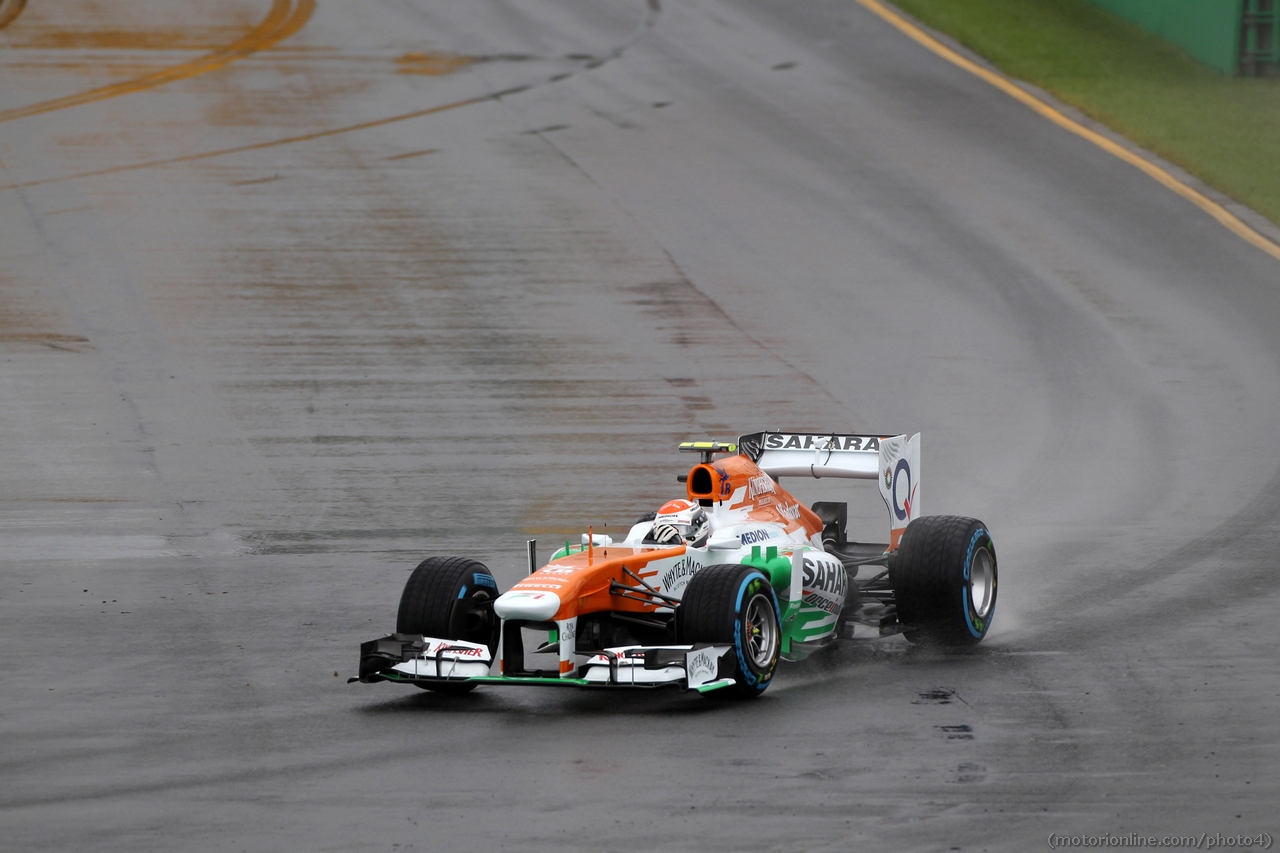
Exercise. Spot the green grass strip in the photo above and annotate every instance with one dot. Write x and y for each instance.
(1224, 130)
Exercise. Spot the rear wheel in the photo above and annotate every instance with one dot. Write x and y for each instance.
(450, 598)
(944, 580)
(734, 605)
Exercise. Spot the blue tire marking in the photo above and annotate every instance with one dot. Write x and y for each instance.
(462, 593)
(964, 590)
(752, 679)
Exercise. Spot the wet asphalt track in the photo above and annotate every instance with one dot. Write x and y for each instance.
(272, 331)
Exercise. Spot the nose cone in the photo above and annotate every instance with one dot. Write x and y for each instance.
(527, 605)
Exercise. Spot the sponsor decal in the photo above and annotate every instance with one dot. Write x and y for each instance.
(701, 667)
(484, 580)
(538, 585)
(677, 577)
(902, 508)
(888, 478)
(557, 570)
(794, 441)
(826, 605)
(825, 585)
(455, 650)
(568, 631)
(791, 511)
(751, 537)
(761, 485)
(676, 506)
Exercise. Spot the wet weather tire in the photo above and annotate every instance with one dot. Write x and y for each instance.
(734, 605)
(450, 598)
(944, 580)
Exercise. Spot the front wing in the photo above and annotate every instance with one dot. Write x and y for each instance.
(426, 661)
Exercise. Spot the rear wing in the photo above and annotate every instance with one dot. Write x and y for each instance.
(892, 460)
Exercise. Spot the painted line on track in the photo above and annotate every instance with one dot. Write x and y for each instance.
(283, 20)
(650, 19)
(10, 10)
(271, 143)
(1225, 217)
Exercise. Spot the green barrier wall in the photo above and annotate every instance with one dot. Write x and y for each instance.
(1209, 30)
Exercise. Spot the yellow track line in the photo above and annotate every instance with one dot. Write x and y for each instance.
(1217, 211)
(272, 143)
(280, 23)
(9, 11)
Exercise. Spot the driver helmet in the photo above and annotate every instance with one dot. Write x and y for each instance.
(681, 521)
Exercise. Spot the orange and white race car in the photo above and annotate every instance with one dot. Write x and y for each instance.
(712, 590)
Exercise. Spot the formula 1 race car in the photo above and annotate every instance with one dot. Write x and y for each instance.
(709, 592)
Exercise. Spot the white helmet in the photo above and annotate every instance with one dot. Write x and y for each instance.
(681, 521)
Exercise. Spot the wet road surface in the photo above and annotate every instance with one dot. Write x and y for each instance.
(295, 294)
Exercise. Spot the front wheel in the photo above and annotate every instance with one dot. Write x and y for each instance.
(944, 580)
(734, 605)
(450, 598)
